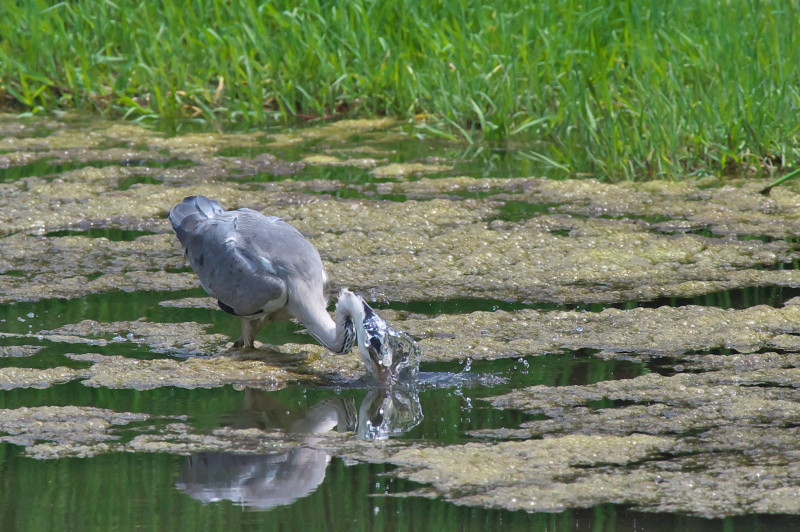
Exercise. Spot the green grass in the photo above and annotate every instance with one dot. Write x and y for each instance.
(633, 89)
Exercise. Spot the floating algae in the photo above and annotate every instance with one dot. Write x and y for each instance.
(406, 169)
(58, 431)
(15, 351)
(34, 378)
(122, 372)
(713, 435)
(447, 248)
(169, 338)
(732, 436)
(534, 475)
(663, 332)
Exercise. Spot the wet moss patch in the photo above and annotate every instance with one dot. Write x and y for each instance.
(34, 378)
(663, 331)
(195, 372)
(732, 449)
(14, 351)
(168, 338)
(58, 431)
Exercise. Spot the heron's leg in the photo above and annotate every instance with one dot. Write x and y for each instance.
(250, 328)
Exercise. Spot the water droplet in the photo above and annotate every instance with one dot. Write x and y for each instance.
(20, 319)
(579, 328)
(31, 314)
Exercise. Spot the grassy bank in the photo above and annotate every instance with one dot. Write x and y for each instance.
(627, 89)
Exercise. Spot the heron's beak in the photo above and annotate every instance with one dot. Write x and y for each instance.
(381, 357)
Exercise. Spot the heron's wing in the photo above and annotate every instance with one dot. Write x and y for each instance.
(295, 260)
(220, 251)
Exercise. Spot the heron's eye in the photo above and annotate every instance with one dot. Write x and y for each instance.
(375, 342)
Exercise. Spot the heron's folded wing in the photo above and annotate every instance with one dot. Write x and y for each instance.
(229, 271)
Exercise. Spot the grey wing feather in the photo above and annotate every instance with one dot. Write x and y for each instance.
(294, 259)
(218, 245)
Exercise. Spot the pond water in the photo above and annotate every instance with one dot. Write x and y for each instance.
(595, 356)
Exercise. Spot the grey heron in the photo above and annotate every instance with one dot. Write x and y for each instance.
(262, 269)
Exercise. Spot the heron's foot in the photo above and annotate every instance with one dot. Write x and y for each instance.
(238, 344)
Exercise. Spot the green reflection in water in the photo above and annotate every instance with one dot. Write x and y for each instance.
(121, 306)
(128, 182)
(137, 492)
(516, 211)
(453, 411)
(44, 167)
(110, 233)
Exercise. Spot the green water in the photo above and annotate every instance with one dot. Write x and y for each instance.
(46, 167)
(124, 491)
(137, 492)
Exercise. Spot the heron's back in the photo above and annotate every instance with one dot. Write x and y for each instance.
(249, 262)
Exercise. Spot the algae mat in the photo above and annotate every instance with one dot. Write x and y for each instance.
(676, 299)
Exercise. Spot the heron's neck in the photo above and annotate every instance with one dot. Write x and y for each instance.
(339, 334)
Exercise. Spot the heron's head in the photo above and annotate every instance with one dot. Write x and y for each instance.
(373, 342)
(389, 355)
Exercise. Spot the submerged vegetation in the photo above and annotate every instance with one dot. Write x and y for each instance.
(623, 90)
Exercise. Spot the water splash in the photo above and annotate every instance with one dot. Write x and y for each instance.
(390, 356)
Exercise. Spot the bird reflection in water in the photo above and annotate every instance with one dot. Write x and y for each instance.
(261, 482)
